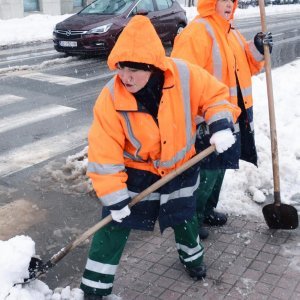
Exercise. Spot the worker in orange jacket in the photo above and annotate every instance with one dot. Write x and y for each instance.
(212, 42)
(144, 127)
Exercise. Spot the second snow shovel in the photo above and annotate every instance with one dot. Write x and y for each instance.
(277, 215)
(37, 268)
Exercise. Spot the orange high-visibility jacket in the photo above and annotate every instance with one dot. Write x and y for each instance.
(214, 44)
(122, 136)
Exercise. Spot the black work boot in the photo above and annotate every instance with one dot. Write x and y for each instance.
(215, 219)
(203, 233)
(197, 273)
(92, 297)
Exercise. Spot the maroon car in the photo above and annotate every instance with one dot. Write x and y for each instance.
(95, 29)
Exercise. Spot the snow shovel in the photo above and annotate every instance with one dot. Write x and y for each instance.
(37, 268)
(277, 215)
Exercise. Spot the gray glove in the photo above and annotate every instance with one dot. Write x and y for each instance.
(262, 39)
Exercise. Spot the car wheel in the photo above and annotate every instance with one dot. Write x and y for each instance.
(179, 29)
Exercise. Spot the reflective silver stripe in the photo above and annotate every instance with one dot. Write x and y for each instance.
(225, 113)
(199, 120)
(150, 197)
(247, 91)
(184, 75)
(101, 268)
(236, 127)
(187, 250)
(191, 251)
(134, 158)
(115, 197)
(219, 116)
(104, 169)
(192, 258)
(179, 155)
(217, 58)
(255, 53)
(110, 86)
(238, 38)
(220, 102)
(132, 138)
(252, 126)
(233, 91)
(96, 284)
(181, 193)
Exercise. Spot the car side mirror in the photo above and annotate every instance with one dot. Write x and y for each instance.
(142, 12)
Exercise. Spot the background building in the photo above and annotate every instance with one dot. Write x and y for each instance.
(20, 8)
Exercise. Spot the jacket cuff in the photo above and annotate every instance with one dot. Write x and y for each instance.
(220, 125)
(119, 205)
(106, 209)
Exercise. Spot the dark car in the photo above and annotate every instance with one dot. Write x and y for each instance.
(95, 29)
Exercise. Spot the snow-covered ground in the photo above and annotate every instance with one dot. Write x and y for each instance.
(244, 190)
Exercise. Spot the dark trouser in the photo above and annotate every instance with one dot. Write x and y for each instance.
(107, 247)
(207, 194)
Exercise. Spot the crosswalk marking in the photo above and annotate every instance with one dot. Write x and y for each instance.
(104, 75)
(61, 80)
(33, 116)
(28, 55)
(39, 151)
(9, 99)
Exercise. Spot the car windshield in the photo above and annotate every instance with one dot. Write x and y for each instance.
(107, 7)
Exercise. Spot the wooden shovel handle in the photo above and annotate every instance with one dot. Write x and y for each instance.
(64, 251)
(273, 134)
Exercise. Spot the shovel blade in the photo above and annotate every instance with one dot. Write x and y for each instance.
(37, 268)
(281, 216)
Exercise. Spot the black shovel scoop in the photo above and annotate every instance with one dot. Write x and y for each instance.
(277, 215)
(280, 216)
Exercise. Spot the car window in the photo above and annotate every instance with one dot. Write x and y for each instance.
(107, 7)
(144, 5)
(163, 4)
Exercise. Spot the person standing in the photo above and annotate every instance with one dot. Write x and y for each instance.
(143, 128)
(212, 42)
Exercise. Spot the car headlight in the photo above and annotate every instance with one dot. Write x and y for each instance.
(100, 29)
(54, 31)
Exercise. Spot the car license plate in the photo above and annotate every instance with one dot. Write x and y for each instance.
(68, 44)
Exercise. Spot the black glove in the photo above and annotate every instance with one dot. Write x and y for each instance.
(262, 39)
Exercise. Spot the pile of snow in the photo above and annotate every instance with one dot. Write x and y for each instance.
(14, 261)
(245, 189)
(11, 252)
(35, 27)
(69, 176)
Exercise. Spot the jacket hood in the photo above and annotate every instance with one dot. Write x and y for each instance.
(139, 43)
(208, 7)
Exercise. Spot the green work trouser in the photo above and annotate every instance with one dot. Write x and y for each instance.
(107, 247)
(207, 194)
